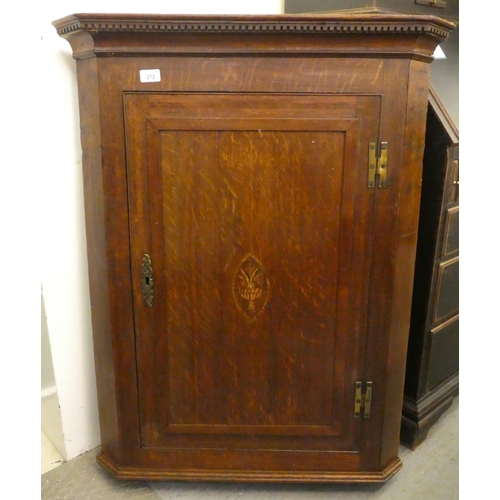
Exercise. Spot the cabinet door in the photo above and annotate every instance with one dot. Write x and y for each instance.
(255, 213)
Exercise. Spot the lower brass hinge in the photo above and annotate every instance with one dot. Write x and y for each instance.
(363, 400)
(377, 165)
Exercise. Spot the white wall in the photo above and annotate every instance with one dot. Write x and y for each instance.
(47, 371)
(50, 412)
(63, 246)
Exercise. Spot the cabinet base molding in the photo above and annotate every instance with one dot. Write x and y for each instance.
(251, 476)
(419, 416)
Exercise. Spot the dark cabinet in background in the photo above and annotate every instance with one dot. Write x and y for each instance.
(432, 363)
(447, 9)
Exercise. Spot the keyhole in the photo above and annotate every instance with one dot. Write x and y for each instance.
(147, 281)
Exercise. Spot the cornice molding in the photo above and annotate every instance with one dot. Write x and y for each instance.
(291, 24)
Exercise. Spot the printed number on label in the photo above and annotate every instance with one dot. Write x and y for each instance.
(149, 75)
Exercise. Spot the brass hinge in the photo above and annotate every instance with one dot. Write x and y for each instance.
(363, 400)
(377, 164)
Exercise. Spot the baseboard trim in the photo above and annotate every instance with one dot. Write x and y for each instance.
(48, 391)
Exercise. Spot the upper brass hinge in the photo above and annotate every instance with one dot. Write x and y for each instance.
(377, 164)
(363, 400)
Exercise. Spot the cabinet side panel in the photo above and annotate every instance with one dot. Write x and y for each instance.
(382, 268)
(120, 267)
(96, 250)
(406, 240)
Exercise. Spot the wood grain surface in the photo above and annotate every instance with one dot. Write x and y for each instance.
(280, 279)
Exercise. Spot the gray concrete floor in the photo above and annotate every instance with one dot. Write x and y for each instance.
(429, 472)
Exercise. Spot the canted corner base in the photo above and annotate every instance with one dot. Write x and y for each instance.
(419, 416)
(146, 474)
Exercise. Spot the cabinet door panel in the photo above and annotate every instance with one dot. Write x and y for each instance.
(443, 352)
(451, 231)
(257, 218)
(447, 296)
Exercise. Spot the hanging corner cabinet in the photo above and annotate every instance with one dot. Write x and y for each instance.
(252, 189)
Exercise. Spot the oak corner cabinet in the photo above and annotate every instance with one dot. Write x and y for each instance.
(252, 189)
